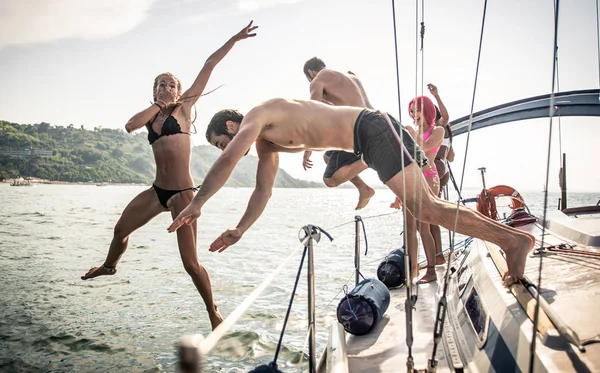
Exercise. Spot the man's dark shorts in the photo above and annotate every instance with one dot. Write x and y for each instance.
(337, 160)
(384, 145)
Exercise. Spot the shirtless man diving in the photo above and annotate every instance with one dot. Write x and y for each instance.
(281, 125)
(338, 89)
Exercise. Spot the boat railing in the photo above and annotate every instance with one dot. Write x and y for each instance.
(193, 347)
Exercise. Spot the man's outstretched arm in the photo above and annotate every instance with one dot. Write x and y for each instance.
(268, 165)
(220, 170)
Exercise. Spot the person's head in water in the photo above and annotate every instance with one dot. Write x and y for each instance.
(167, 82)
(223, 127)
(312, 67)
(422, 110)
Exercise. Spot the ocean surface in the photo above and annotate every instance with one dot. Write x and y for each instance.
(52, 321)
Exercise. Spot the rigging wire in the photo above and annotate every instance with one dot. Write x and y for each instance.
(598, 39)
(442, 303)
(551, 114)
(462, 176)
(558, 89)
(422, 49)
(397, 69)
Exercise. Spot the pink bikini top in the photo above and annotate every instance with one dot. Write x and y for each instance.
(426, 135)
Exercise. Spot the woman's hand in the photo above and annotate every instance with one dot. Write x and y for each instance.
(165, 96)
(246, 32)
(432, 89)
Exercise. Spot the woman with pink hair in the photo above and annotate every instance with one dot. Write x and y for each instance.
(429, 138)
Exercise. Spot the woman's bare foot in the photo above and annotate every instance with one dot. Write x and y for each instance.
(215, 318)
(516, 258)
(99, 271)
(429, 276)
(439, 259)
(364, 196)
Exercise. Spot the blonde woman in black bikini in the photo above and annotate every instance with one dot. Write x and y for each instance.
(168, 121)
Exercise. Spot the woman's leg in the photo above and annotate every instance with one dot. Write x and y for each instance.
(429, 244)
(138, 212)
(429, 247)
(436, 232)
(186, 238)
(412, 245)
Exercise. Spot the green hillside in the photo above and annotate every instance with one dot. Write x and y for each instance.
(105, 155)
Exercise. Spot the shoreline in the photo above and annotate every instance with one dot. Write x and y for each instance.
(34, 181)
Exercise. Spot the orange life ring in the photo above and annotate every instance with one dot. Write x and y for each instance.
(486, 200)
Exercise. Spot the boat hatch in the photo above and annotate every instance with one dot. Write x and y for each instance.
(478, 315)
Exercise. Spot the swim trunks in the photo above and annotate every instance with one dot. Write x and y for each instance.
(337, 160)
(384, 144)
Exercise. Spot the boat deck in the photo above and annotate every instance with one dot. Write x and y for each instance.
(570, 285)
(384, 349)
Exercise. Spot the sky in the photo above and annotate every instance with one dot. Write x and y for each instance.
(92, 63)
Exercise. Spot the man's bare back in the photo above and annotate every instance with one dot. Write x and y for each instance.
(295, 125)
(340, 89)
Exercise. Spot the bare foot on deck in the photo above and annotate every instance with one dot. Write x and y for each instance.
(215, 318)
(99, 271)
(429, 276)
(516, 258)
(364, 195)
(439, 259)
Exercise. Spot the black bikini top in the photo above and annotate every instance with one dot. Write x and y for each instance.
(170, 127)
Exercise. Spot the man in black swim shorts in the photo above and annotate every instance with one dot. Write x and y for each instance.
(338, 89)
(285, 125)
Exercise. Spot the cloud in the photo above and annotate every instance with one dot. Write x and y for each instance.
(237, 7)
(42, 21)
(252, 5)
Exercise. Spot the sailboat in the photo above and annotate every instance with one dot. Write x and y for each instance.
(467, 321)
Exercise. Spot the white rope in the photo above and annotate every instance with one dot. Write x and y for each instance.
(211, 340)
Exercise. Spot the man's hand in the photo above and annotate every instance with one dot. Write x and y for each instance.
(246, 32)
(226, 239)
(396, 204)
(306, 162)
(432, 89)
(187, 216)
